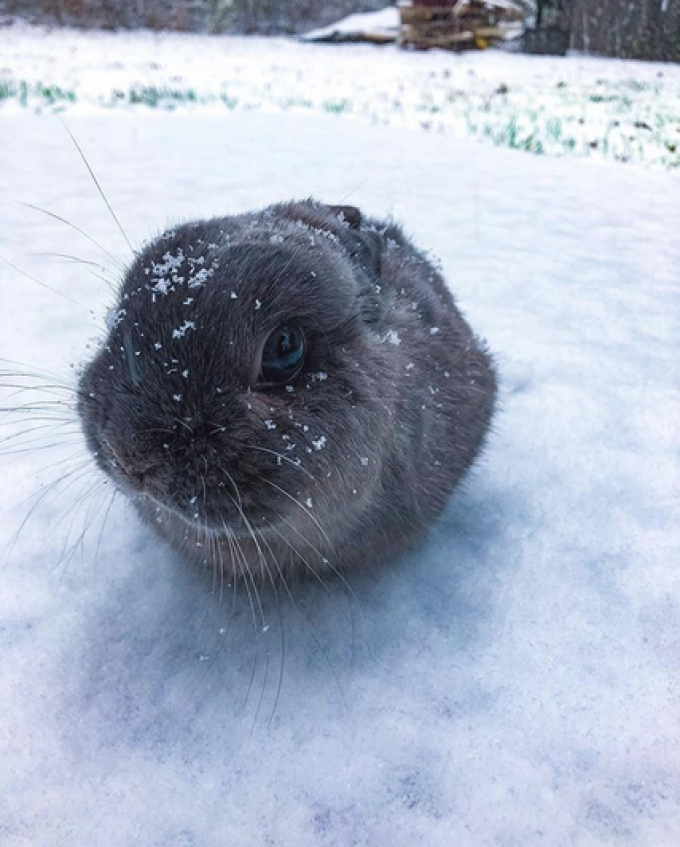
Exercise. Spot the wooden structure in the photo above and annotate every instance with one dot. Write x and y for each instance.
(458, 24)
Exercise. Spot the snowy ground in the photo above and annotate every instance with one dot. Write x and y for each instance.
(584, 107)
(514, 681)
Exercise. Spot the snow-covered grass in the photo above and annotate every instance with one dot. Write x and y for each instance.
(585, 107)
(515, 680)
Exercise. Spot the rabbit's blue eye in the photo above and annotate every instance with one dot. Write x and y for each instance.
(284, 354)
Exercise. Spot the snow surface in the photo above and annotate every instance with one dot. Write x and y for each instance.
(512, 681)
(384, 22)
(600, 109)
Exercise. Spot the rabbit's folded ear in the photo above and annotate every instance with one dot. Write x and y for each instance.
(362, 245)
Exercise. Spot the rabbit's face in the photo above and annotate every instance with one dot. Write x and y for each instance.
(242, 381)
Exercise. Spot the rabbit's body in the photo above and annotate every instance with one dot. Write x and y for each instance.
(287, 392)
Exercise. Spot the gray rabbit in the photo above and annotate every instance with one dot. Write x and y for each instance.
(287, 392)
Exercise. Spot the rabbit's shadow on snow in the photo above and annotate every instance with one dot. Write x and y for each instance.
(166, 642)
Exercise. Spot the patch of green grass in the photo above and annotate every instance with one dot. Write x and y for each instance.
(151, 95)
(296, 103)
(623, 120)
(336, 107)
(24, 92)
(553, 128)
(229, 102)
(8, 90)
(635, 85)
(52, 94)
(604, 98)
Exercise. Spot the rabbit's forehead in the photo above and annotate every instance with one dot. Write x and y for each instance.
(244, 287)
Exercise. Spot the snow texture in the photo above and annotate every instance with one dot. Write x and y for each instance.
(585, 107)
(513, 680)
(383, 23)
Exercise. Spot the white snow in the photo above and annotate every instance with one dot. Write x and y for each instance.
(595, 108)
(513, 680)
(181, 331)
(391, 337)
(383, 24)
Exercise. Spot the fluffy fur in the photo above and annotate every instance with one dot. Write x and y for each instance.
(335, 470)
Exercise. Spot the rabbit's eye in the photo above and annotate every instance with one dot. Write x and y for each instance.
(284, 354)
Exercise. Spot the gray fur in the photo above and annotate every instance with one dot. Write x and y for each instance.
(353, 462)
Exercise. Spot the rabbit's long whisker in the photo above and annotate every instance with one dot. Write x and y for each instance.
(263, 564)
(99, 188)
(80, 471)
(37, 427)
(279, 687)
(283, 458)
(303, 508)
(39, 373)
(233, 543)
(68, 224)
(324, 559)
(46, 286)
(32, 448)
(313, 634)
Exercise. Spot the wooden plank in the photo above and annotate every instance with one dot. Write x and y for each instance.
(464, 24)
(493, 14)
(437, 38)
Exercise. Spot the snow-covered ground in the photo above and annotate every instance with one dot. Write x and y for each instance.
(578, 106)
(513, 681)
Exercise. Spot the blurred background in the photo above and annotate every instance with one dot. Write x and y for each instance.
(643, 29)
(532, 75)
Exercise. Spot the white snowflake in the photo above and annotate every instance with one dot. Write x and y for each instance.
(181, 331)
(391, 336)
